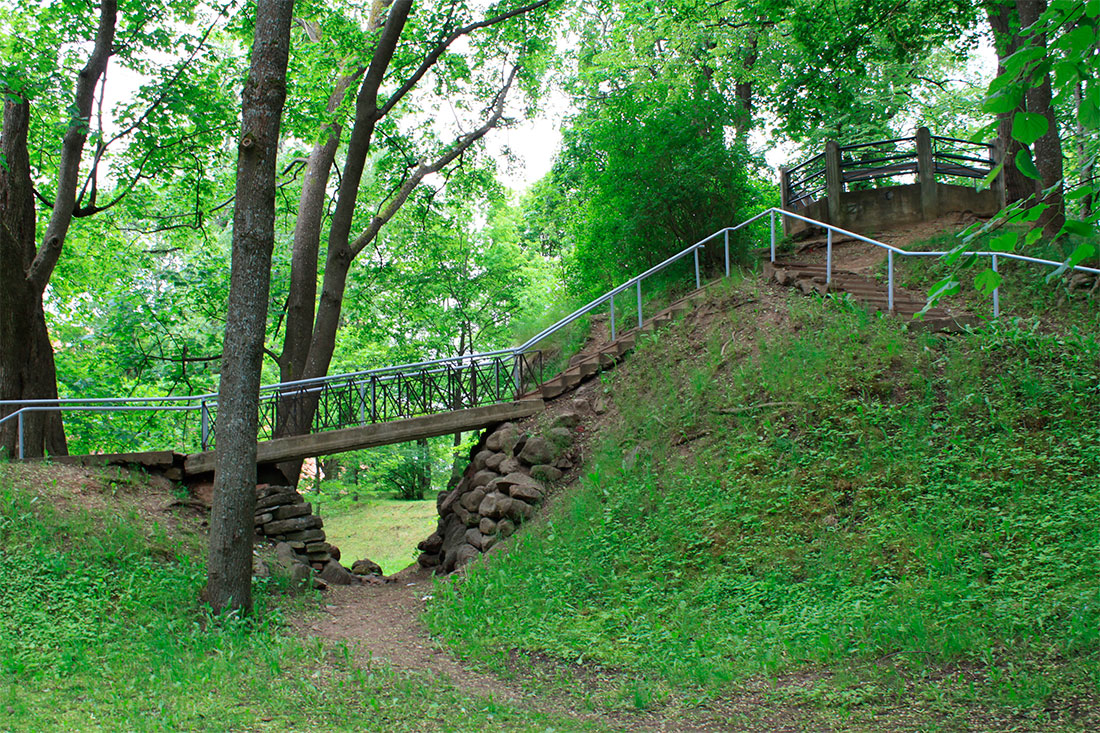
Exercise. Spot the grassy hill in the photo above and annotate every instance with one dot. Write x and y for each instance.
(805, 507)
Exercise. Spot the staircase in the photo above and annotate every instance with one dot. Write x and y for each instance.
(590, 362)
(812, 278)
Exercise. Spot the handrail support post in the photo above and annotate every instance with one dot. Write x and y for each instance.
(613, 316)
(828, 257)
(890, 281)
(698, 280)
(727, 245)
(773, 235)
(996, 293)
(19, 429)
(639, 304)
(204, 420)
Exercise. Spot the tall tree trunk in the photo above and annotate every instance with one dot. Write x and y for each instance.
(1005, 25)
(1047, 149)
(229, 572)
(26, 354)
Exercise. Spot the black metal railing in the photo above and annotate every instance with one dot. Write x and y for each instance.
(390, 394)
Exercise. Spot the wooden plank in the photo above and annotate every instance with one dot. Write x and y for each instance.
(160, 459)
(369, 436)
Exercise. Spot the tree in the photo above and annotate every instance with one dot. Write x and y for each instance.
(229, 570)
(44, 92)
(312, 323)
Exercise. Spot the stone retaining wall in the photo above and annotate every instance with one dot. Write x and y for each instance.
(506, 482)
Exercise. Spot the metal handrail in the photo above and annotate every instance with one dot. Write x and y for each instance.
(316, 385)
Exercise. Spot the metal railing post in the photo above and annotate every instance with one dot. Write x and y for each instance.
(727, 245)
(698, 282)
(890, 281)
(996, 293)
(362, 404)
(373, 399)
(19, 429)
(773, 235)
(639, 304)
(829, 257)
(517, 377)
(204, 420)
(612, 316)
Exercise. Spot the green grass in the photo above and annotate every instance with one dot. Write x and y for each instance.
(383, 529)
(102, 630)
(910, 520)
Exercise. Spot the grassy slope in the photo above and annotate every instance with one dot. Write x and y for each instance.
(907, 524)
(102, 630)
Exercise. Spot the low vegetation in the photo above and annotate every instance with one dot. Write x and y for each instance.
(103, 631)
(865, 521)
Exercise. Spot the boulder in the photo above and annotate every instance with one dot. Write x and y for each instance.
(487, 526)
(545, 473)
(495, 505)
(334, 551)
(566, 419)
(292, 510)
(429, 560)
(503, 438)
(472, 500)
(519, 510)
(366, 567)
(599, 406)
(264, 518)
(454, 536)
(474, 537)
(537, 450)
(448, 502)
(300, 577)
(482, 478)
(336, 574)
(481, 458)
(520, 485)
(494, 461)
(279, 499)
(487, 542)
(431, 545)
(298, 524)
(562, 438)
(510, 465)
(464, 554)
(563, 463)
(467, 517)
(259, 567)
(307, 535)
(285, 556)
(506, 528)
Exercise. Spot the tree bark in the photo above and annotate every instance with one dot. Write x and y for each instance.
(26, 355)
(229, 572)
(1048, 148)
(1006, 35)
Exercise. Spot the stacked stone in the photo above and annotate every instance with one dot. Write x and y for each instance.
(282, 515)
(502, 487)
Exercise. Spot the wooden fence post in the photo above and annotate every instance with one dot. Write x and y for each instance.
(834, 184)
(926, 176)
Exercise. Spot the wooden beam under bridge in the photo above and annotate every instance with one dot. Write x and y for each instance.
(369, 436)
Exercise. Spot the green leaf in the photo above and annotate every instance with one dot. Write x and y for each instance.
(1088, 114)
(947, 286)
(1080, 228)
(1027, 127)
(1029, 214)
(987, 281)
(988, 180)
(1032, 237)
(1092, 8)
(1026, 55)
(1003, 101)
(1005, 242)
(1025, 165)
(1077, 41)
(1082, 253)
(1079, 193)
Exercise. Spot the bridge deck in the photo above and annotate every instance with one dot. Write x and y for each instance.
(370, 436)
